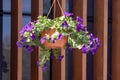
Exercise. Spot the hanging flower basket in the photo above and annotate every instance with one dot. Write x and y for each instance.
(59, 43)
(65, 32)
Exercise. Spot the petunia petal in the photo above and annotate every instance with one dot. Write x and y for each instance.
(85, 49)
(42, 40)
(60, 58)
(65, 24)
(29, 48)
(44, 67)
(19, 44)
(60, 36)
(78, 19)
(33, 37)
(68, 14)
(52, 56)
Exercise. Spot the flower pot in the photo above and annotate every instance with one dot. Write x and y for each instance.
(58, 43)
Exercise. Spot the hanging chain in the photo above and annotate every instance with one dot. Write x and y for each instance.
(60, 7)
(51, 8)
(53, 4)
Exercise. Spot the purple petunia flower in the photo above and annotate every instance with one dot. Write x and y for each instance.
(52, 56)
(78, 27)
(53, 41)
(68, 14)
(60, 36)
(97, 42)
(44, 67)
(22, 31)
(84, 28)
(85, 49)
(90, 43)
(38, 62)
(69, 47)
(29, 48)
(28, 27)
(91, 36)
(94, 43)
(35, 21)
(32, 36)
(42, 40)
(94, 50)
(78, 19)
(19, 44)
(60, 58)
(23, 39)
(65, 24)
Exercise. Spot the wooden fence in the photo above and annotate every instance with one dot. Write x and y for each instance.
(78, 59)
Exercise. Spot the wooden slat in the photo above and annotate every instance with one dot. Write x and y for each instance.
(1, 37)
(56, 11)
(115, 39)
(16, 53)
(36, 10)
(79, 59)
(58, 68)
(101, 30)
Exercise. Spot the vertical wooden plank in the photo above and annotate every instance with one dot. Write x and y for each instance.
(79, 59)
(36, 10)
(101, 30)
(115, 40)
(58, 69)
(63, 70)
(56, 11)
(16, 53)
(1, 36)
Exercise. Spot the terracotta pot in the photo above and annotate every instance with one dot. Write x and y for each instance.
(58, 44)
